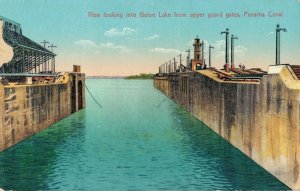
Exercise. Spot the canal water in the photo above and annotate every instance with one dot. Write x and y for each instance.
(137, 140)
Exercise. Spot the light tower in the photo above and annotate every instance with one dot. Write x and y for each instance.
(209, 48)
(197, 62)
(232, 50)
(226, 49)
(197, 50)
(277, 54)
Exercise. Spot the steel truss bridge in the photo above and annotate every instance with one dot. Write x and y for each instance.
(29, 57)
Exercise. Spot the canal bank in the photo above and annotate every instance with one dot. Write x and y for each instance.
(260, 118)
(129, 144)
(26, 109)
(33, 94)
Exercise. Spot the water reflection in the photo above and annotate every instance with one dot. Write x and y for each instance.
(213, 153)
(130, 143)
(33, 161)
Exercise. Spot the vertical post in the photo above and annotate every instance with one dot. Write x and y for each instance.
(175, 65)
(53, 58)
(202, 50)
(51, 47)
(35, 63)
(277, 53)
(226, 49)
(277, 46)
(166, 67)
(23, 61)
(44, 63)
(188, 58)
(39, 69)
(232, 50)
(32, 57)
(48, 68)
(180, 61)
(210, 47)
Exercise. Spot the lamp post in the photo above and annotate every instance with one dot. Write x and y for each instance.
(277, 54)
(209, 48)
(175, 65)
(226, 49)
(202, 55)
(232, 50)
(188, 58)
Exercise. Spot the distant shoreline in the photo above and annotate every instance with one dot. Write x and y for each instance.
(140, 77)
(132, 77)
(105, 77)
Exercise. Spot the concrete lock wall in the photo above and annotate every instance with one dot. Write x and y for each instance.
(260, 119)
(28, 109)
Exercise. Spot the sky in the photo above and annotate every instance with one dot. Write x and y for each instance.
(123, 46)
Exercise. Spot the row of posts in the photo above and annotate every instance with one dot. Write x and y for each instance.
(170, 67)
(46, 67)
(226, 32)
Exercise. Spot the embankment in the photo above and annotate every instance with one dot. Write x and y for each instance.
(260, 119)
(28, 109)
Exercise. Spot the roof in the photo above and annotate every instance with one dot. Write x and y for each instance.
(15, 39)
(11, 21)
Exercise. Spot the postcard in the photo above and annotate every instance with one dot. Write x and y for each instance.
(149, 95)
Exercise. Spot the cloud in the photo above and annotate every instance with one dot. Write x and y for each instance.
(240, 50)
(165, 50)
(113, 32)
(206, 44)
(190, 43)
(110, 45)
(153, 37)
(270, 33)
(219, 44)
(219, 49)
(93, 45)
(86, 43)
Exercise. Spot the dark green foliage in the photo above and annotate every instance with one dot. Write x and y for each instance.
(141, 76)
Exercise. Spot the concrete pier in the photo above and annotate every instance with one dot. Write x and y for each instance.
(261, 119)
(28, 109)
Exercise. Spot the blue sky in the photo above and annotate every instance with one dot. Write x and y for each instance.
(114, 46)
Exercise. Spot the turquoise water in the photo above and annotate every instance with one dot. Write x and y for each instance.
(129, 144)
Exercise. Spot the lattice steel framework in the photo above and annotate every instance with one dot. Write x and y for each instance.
(29, 57)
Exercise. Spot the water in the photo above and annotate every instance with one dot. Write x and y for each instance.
(129, 144)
